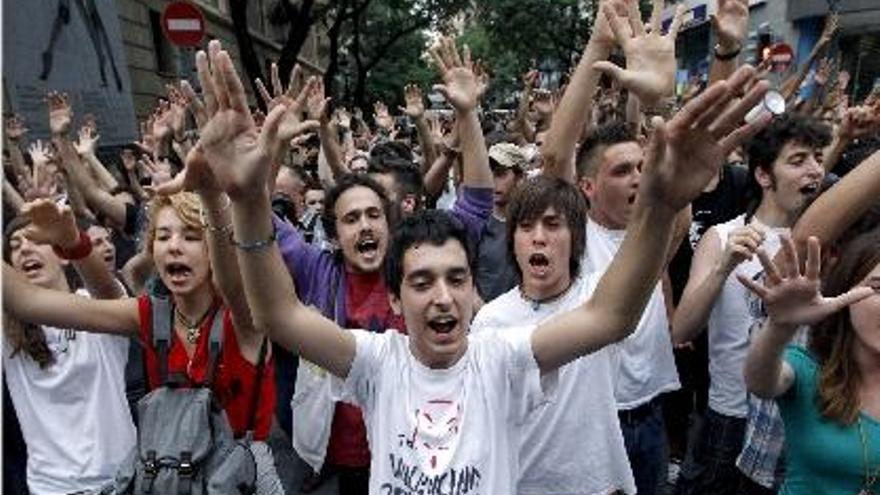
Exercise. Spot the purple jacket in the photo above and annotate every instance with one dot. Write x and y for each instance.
(319, 275)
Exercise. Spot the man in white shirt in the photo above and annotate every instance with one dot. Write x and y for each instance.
(573, 444)
(444, 409)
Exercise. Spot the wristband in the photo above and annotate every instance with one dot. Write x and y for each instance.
(724, 57)
(82, 249)
(255, 245)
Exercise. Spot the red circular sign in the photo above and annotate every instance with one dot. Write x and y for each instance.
(781, 55)
(183, 24)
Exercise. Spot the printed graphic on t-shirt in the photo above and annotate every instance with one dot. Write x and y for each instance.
(421, 463)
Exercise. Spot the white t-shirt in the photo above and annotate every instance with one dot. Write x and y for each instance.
(571, 445)
(74, 415)
(728, 327)
(646, 365)
(453, 430)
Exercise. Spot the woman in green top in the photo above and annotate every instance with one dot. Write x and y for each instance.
(828, 393)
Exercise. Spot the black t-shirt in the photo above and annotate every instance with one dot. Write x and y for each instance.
(726, 202)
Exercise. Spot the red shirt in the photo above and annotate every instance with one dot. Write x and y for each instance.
(234, 381)
(367, 307)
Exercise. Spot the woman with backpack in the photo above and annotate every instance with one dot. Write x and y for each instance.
(188, 236)
(829, 391)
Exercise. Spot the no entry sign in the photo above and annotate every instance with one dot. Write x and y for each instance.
(183, 24)
(781, 56)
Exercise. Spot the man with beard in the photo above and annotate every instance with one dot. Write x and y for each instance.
(785, 161)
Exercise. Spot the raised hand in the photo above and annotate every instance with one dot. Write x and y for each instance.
(195, 103)
(42, 182)
(650, 56)
(161, 123)
(159, 170)
(461, 86)
(791, 294)
(318, 105)
(50, 223)
(383, 119)
(178, 103)
(238, 155)
(147, 144)
(415, 106)
(196, 176)
(731, 23)
(293, 99)
(343, 118)
(88, 140)
(60, 113)
(15, 128)
(684, 154)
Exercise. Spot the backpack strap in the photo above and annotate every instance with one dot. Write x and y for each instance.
(161, 332)
(255, 397)
(215, 343)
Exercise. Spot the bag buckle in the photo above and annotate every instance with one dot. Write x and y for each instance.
(185, 468)
(151, 468)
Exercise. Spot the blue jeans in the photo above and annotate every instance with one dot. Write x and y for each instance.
(712, 467)
(644, 436)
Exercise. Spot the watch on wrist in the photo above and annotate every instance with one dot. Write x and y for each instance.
(722, 56)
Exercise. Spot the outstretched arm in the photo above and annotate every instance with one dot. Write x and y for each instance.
(30, 303)
(240, 159)
(838, 208)
(559, 146)
(682, 157)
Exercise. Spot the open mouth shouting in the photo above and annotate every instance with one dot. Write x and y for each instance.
(631, 199)
(368, 247)
(178, 273)
(32, 268)
(810, 189)
(442, 326)
(539, 264)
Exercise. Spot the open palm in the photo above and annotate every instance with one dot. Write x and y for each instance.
(791, 293)
(685, 153)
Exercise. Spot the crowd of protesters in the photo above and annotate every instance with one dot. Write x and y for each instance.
(614, 290)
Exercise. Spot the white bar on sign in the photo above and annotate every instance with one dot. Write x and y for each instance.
(184, 25)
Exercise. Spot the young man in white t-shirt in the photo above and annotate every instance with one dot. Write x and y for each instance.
(785, 161)
(443, 409)
(573, 444)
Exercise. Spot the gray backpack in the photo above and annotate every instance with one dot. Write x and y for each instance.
(185, 444)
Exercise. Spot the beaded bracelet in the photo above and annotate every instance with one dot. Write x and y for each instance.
(255, 245)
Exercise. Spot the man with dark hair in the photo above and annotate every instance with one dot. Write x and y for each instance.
(402, 181)
(609, 171)
(785, 162)
(572, 445)
(496, 272)
(349, 287)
